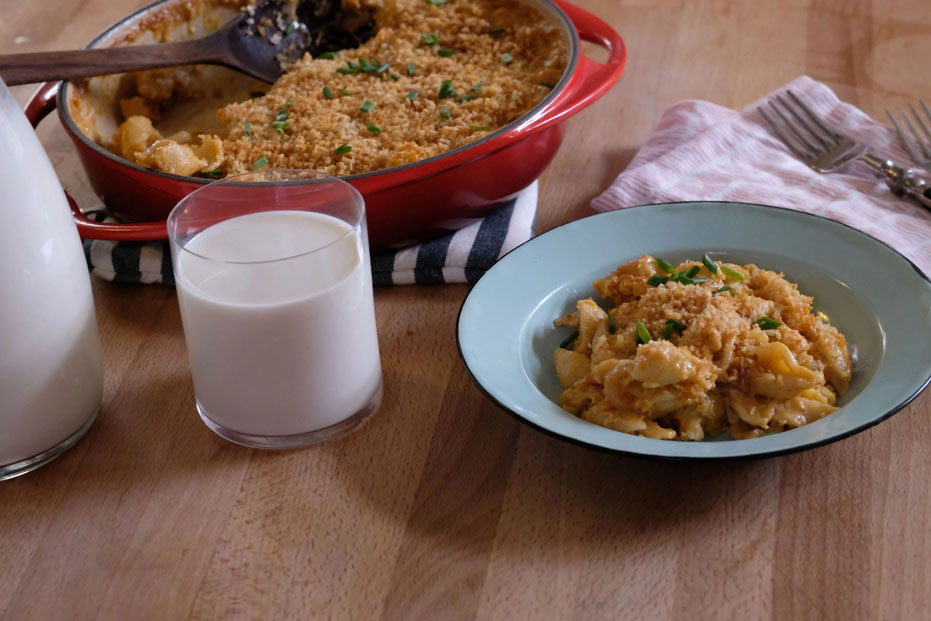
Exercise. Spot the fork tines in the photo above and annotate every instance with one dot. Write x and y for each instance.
(801, 136)
(918, 147)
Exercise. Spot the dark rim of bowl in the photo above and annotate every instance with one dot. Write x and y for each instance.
(701, 458)
(568, 29)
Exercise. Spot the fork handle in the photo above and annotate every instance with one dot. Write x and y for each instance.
(902, 181)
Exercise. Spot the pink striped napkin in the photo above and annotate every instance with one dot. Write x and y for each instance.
(702, 151)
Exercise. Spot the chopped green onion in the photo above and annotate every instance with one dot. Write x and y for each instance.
(731, 273)
(344, 91)
(767, 323)
(707, 262)
(665, 265)
(507, 59)
(410, 68)
(412, 95)
(382, 68)
(212, 174)
(373, 129)
(290, 29)
(721, 289)
(698, 281)
(548, 85)
(327, 56)
(692, 272)
(395, 77)
(672, 326)
(477, 87)
(446, 89)
(445, 114)
(282, 115)
(436, 2)
(493, 31)
(479, 128)
(342, 149)
(468, 97)
(611, 327)
(445, 51)
(429, 39)
(367, 106)
(327, 92)
(255, 94)
(682, 278)
(643, 335)
(344, 71)
(280, 126)
(259, 163)
(656, 280)
(565, 344)
(247, 128)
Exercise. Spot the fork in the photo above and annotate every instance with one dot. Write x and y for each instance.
(825, 150)
(920, 151)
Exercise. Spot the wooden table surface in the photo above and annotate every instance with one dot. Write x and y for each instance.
(443, 506)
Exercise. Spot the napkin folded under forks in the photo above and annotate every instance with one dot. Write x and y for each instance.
(457, 257)
(702, 151)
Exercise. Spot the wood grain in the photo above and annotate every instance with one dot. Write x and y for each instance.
(442, 506)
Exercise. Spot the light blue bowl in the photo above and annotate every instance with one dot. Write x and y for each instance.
(878, 299)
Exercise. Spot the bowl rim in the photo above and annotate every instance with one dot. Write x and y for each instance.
(902, 403)
(64, 110)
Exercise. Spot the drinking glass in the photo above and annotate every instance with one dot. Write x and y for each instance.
(274, 284)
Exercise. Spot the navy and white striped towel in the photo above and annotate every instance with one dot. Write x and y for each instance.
(460, 256)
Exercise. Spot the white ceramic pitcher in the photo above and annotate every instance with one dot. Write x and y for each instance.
(51, 378)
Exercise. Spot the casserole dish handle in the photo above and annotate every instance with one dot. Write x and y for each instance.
(42, 103)
(591, 79)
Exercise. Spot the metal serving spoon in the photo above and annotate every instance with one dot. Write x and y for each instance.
(261, 42)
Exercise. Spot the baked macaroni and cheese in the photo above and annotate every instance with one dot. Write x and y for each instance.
(435, 76)
(700, 349)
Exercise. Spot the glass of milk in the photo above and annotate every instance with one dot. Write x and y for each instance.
(275, 288)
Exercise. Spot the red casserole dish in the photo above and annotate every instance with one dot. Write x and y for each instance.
(405, 203)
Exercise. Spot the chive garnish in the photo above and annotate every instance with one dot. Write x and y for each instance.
(507, 59)
(255, 94)
(671, 326)
(428, 38)
(665, 265)
(445, 51)
(656, 280)
(611, 327)
(410, 68)
(707, 262)
(412, 95)
(247, 128)
(213, 174)
(479, 128)
(290, 29)
(731, 273)
(259, 163)
(565, 344)
(767, 323)
(366, 106)
(327, 92)
(280, 126)
(548, 85)
(446, 89)
(436, 2)
(342, 149)
(445, 114)
(373, 129)
(477, 87)
(468, 97)
(327, 56)
(692, 272)
(493, 31)
(721, 289)
(282, 115)
(681, 277)
(395, 77)
(343, 91)
(344, 71)
(643, 335)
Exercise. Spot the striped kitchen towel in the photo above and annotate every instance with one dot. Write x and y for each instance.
(460, 256)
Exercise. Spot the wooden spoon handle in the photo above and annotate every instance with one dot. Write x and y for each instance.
(47, 66)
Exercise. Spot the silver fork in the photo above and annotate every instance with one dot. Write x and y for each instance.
(825, 150)
(920, 149)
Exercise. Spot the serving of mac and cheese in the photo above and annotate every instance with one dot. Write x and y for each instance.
(700, 349)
